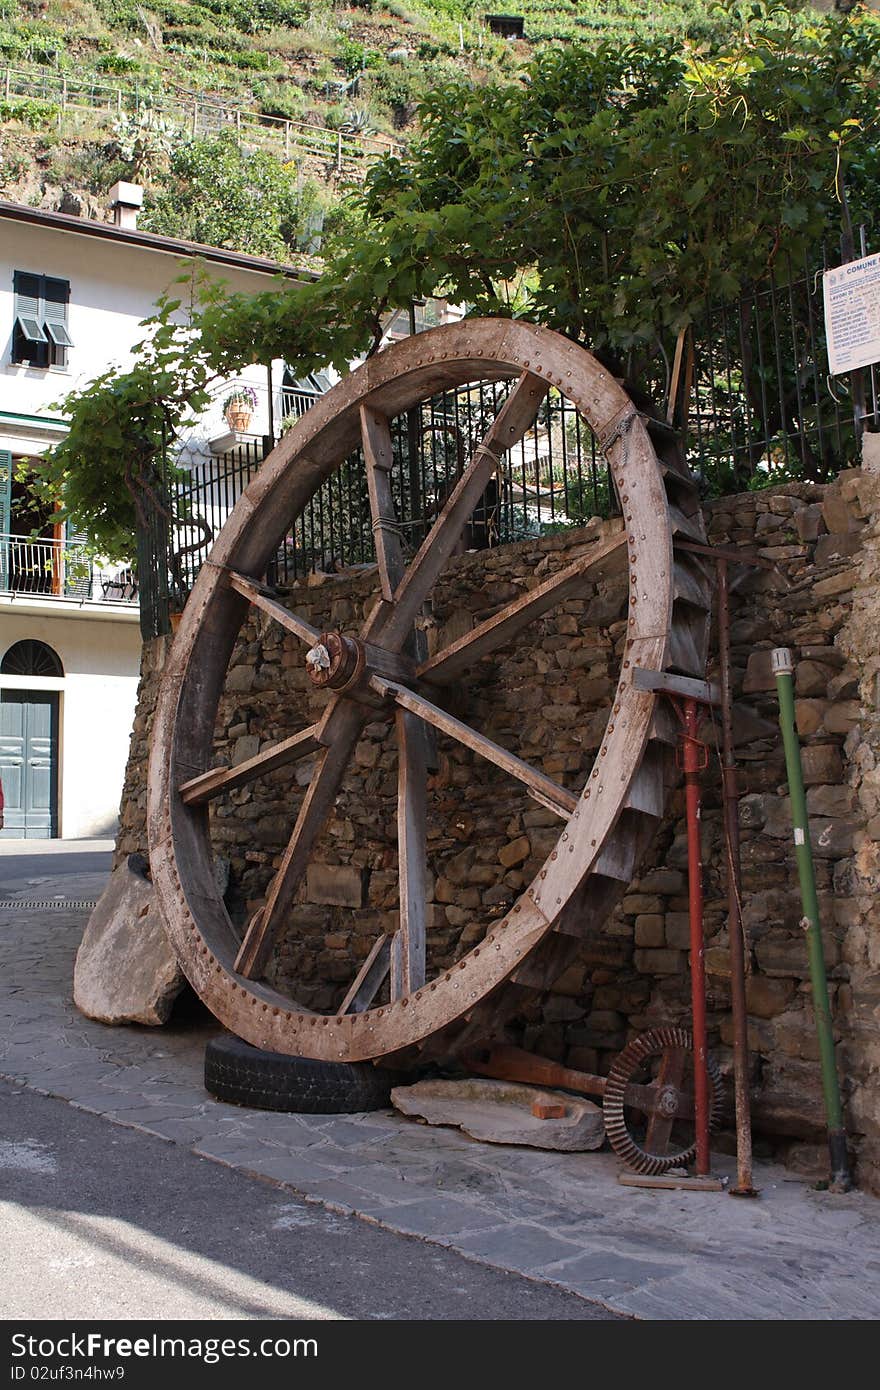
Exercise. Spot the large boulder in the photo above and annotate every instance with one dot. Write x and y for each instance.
(126, 971)
(505, 1112)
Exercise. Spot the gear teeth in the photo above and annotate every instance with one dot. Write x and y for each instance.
(649, 1044)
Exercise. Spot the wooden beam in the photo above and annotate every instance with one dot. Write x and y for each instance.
(257, 595)
(368, 981)
(408, 947)
(676, 376)
(671, 1073)
(340, 729)
(447, 665)
(550, 792)
(688, 687)
(508, 1063)
(378, 456)
(392, 623)
(200, 789)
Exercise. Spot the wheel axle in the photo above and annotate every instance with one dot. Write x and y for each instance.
(346, 665)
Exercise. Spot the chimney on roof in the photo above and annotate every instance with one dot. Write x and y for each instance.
(126, 200)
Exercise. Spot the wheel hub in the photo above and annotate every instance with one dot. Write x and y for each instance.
(667, 1102)
(346, 664)
(336, 662)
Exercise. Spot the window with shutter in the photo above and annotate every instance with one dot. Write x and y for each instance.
(56, 294)
(40, 336)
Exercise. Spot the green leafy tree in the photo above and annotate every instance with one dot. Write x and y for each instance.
(612, 195)
(219, 194)
(109, 474)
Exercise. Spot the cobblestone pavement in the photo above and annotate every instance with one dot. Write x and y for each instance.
(554, 1217)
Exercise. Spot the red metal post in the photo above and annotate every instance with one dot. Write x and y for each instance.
(692, 750)
(744, 1186)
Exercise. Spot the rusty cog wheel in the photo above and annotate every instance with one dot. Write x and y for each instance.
(664, 1102)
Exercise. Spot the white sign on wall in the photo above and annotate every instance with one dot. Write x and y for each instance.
(852, 315)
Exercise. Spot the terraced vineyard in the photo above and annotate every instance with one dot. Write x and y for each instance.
(95, 90)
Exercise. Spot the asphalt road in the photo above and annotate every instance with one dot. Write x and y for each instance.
(27, 865)
(97, 1221)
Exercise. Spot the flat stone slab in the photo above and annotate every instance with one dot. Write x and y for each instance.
(126, 971)
(502, 1112)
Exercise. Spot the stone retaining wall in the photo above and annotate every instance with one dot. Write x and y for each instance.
(546, 697)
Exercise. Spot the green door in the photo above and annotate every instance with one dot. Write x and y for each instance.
(29, 763)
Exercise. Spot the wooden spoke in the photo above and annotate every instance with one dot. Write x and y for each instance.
(543, 787)
(671, 1073)
(376, 436)
(408, 946)
(369, 979)
(392, 625)
(258, 596)
(339, 729)
(447, 665)
(200, 789)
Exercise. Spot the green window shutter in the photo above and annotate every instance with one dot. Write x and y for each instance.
(5, 509)
(56, 296)
(27, 294)
(30, 343)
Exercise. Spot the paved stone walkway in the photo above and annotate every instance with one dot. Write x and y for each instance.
(559, 1218)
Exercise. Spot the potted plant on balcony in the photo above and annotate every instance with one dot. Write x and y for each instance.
(238, 407)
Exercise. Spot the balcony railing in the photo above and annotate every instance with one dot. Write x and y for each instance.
(59, 569)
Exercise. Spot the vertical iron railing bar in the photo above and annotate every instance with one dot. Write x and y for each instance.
(746, 394)
(801, 413)
(814, 358)
(695, 413)
(780, 379)
(399, 473)
(711, 399)
(762, 374)
(566, 502)
(459, 441)
(537, 433)
(838, 416)
(731, 395)
(429, 441)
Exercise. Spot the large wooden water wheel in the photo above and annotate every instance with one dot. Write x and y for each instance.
(604, 826)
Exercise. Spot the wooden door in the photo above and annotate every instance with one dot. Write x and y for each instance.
(29, 763)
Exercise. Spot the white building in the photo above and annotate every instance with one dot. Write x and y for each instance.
(72, 294)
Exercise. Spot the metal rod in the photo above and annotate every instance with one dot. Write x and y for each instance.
(691, 760)
(744, 1186)
(783, 669)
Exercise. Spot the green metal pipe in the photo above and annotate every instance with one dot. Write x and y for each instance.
(783, 669)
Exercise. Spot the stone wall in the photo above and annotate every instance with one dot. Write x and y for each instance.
(546, 698)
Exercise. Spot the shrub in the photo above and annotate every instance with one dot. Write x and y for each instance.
(28, 111)
(117, 63)
(284, 100)
(216, 193)
(354, 57)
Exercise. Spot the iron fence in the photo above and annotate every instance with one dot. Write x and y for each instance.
(763, 408)
(554, 477)
(85, 104)
(52, 568)
(747, 387)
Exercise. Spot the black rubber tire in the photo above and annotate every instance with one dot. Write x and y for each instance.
(240, 1074)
